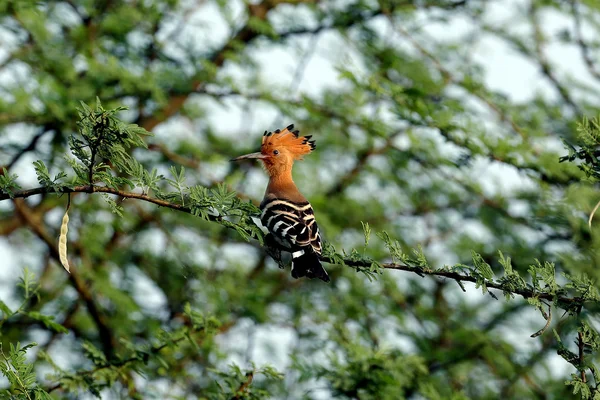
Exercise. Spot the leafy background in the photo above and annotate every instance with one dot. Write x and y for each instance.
(440, 128)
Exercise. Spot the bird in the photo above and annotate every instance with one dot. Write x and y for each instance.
(285, 212)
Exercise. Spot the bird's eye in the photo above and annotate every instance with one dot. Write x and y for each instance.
(276, 152)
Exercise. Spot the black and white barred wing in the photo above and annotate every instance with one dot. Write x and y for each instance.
(293, 223)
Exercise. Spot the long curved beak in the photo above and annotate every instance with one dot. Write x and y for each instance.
(257, 155)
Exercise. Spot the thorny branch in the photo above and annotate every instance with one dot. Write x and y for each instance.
(102, 189)
(561, 300)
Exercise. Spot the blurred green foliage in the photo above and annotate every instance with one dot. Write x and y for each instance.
(422, 174)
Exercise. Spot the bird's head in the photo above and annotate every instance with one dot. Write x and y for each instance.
(281, 148)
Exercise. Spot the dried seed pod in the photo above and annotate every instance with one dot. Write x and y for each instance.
(592, 214)
(62, 242)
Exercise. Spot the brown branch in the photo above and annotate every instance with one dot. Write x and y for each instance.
(30, 146)
(13, 222)
(338, 24)
(102, 189)
(173, 156)
(246, 35)
(562, 300)
(350, 176)
(361, 161)
(527, 167)
(118, 364)
(525, 293)
(524, 371)
(244, 386)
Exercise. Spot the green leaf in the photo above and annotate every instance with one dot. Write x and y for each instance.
(4, 308)
(48, 321)
(8, 184)
(94, 354)
(43, 175)
(481, 266)
(506, 263)
(366, 231)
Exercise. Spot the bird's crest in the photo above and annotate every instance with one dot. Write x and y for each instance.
(289, 140)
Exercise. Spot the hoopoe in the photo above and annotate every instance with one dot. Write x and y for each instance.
(285, 212)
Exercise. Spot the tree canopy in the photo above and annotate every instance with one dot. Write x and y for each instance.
(455, 182)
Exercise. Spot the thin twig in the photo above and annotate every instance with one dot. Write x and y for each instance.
(585, 50)
(153, 351)
(545, 66)
(243, 388)
(102, 189)
(30, 146)
(580, 345)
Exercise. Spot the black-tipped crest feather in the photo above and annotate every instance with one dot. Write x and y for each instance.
(287, 139)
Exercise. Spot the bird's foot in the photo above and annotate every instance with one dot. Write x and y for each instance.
(273, 249)
(275, 254)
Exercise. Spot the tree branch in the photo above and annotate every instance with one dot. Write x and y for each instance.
(243, 388)
(30, 146)
(102, 189)
(562, 300)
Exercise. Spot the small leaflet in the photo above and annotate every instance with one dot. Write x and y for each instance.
(62, 242)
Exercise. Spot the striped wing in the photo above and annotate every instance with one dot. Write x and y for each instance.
(293, 223)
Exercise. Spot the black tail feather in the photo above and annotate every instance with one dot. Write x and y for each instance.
(309, 265)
